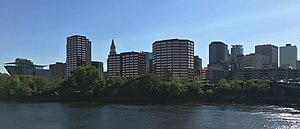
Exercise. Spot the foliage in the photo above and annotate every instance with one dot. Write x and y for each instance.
(83, 82)
(86, 83)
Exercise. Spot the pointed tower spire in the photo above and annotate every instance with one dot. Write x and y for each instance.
(112, 48)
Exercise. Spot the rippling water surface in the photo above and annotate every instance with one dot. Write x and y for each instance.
(96, 115)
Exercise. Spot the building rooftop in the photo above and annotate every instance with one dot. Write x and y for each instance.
(173, 40)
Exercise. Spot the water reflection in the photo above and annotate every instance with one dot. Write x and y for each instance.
(97, 115)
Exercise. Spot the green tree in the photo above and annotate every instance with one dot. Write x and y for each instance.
(10, 86)
(114, 86)
(83, 82)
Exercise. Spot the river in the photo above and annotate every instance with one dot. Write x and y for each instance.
(93, 115)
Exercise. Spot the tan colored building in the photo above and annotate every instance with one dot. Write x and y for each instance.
(173, 57)
(58, 70)
(127, 64)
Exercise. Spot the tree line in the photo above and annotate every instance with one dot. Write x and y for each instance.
(89, 83)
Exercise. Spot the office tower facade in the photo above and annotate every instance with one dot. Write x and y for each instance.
(197, 66)
(26, 67)
(268, 50)
(298, 65)
(173, 57)
(58, 70)
(218, 52)
(254, 61)
(133, 64)
(149, 60)
(78, 53)
(113, 62)
(98, 65)
(288, 56)
(127, 64)
(235, 51)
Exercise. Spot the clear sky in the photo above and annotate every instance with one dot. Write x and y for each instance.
(37, 29)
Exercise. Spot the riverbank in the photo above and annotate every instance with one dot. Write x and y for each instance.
(154, 101)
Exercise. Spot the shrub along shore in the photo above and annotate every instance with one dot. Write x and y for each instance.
(88, 84)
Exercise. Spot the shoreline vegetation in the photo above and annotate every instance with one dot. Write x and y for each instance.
(88, 84)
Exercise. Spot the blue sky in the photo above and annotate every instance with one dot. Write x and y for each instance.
(37, 29)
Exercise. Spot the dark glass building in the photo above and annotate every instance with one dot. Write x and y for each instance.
(218, 52)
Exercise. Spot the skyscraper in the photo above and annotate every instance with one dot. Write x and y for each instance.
(288, 56)
(173, 57)
(78, 53)
(149, 60)
(218, 52)
(197, 66)
(269, 50)
(235, 51)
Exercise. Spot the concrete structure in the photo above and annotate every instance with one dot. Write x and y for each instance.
(288, 56)
(149, 61)
(173, 57)
(197, 66)
(268, 50)
(204, 72)
(127, 64)
(217, 71)
(253, 60)
(58, 70)
(78, 53)
(271, 74)
(218, 52)
(235, 51)
(26, 67)
(98, 65)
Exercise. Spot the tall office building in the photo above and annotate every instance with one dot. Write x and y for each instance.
(127, 64)
(235, 51)
(268, 50)
(78, 53)
(197, 66)
(298, 65)
(288, 56)
(149, 60)
(218, 52)
(58, 70)
(173, 57)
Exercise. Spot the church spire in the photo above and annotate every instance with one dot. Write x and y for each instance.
(112, 48)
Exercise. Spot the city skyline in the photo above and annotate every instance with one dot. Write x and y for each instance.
(37, 30)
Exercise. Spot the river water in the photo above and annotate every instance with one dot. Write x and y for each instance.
(92, 115)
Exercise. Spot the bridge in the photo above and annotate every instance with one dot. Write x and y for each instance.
(295, 85)
(286, 89)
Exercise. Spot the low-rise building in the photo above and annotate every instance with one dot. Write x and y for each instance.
(269, 73)
(26, 67)
(58, 70)
(98, 65)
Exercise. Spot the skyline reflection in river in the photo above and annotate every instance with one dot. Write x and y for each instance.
(97, 115)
